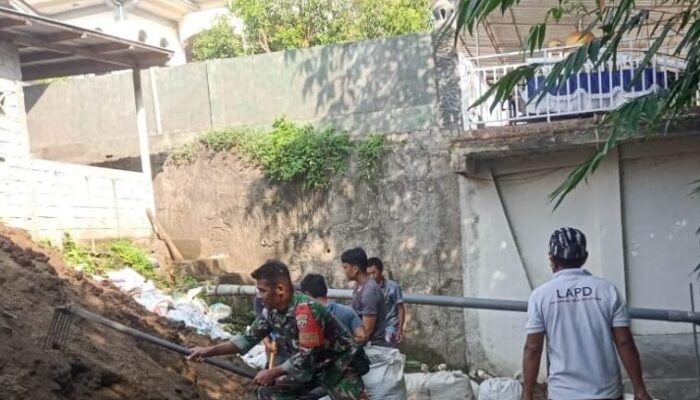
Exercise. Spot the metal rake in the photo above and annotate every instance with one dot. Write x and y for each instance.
(63, 318)
(62, 321)
(59, 329)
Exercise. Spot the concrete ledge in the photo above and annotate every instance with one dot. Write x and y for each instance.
(491, 143)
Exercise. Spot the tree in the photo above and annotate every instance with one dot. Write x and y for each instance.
(392, 17)
(621, 19)
(219, 41)
(275, 25)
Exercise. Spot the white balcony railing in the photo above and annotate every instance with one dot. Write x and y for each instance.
(591, 90)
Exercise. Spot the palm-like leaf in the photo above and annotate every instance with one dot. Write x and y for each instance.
(622, 20)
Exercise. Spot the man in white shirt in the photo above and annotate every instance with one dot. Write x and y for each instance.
(584, 319)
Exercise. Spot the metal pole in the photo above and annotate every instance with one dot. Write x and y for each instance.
(695, 336)
(471, 302)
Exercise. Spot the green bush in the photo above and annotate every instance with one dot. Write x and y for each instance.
(369, 153)
(292, 152)
(289, 152)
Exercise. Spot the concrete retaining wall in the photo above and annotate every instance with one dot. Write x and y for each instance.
(408, 216)
(385, 85)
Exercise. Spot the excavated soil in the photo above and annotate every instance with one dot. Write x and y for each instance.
(97, 363)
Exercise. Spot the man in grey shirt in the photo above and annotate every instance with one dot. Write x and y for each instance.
(393, 298)
(585, 321)
(367, 297)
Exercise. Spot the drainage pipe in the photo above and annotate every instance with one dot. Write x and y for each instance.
(470, 302)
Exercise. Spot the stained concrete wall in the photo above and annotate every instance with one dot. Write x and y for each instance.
(409, 217)
(640, 223)
(385, 85)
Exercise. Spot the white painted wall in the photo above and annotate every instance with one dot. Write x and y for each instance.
(48, 198)
(156, 29)
(637, 215)
(195, 22)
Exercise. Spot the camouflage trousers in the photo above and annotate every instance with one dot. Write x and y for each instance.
(338, 385)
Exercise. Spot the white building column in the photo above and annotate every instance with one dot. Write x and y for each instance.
(15, 160)
(14, 140)
(142, 128)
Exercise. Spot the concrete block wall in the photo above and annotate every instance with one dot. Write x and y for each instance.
(48, 198)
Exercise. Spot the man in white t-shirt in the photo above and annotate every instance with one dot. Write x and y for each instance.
(584, 319)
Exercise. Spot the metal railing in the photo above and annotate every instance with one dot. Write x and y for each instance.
(591, 90)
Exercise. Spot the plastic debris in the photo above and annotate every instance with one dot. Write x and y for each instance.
(190, 309)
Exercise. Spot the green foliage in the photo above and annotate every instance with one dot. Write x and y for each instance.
(184, 154)
(79, 257)
(289, 152)
(392, 17)
(115, 255)
(623, 19)
(126, 253)
(293, 152)
(219, 141)
(275, 25)
(369, 153)
(219, 41)
(242, 312)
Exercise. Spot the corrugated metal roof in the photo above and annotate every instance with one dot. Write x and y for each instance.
(505, 33)
(50, 48)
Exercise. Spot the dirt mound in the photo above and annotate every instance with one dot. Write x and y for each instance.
(97, 363)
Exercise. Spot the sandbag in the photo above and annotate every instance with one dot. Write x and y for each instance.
(417, 386)
(450, 385)
(385, 380)
(500, 389)
(443, 385)
(475, 389)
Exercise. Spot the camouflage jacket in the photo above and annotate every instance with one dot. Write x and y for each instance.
(334, 347)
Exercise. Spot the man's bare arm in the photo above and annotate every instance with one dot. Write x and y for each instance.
(369, 322)
(200, 353)
(630, 359)
(402, 320)
(360, 335)
(532, 354)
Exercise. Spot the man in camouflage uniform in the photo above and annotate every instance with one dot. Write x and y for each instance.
(322, 351)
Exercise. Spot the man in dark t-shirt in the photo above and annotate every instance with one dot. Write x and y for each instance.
(367, 297)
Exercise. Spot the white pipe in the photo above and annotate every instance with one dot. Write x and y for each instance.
(470, 302)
